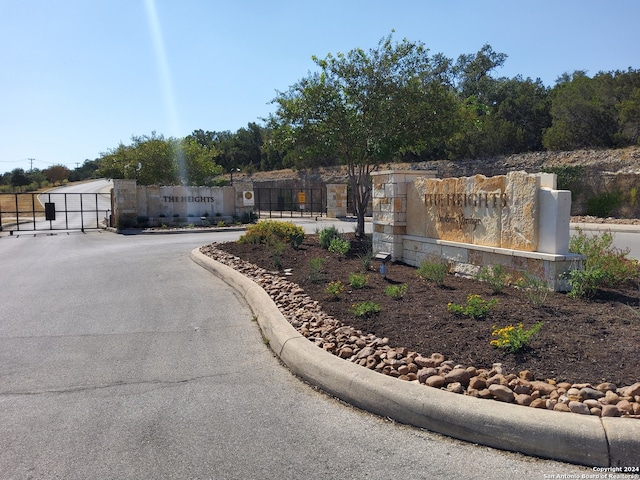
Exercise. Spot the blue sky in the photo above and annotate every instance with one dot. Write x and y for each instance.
(80, 76)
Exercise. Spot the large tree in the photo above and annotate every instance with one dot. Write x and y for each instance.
(366, 108)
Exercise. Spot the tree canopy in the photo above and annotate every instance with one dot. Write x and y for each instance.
(156, 160)
(364, 108)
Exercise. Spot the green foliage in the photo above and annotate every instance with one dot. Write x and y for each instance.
(339, 246)
(604, 204)
(594, 112)
(326, 235)
(296, 238)
(396, 292)
(513, 339)
(276, 247)
(263, 232)
(604, 264)
(433, 271)
(334, 289)
(495, 276)
(569, 177)
(584, 283)
(315, 269)
(475, 307)
(535, 288)
(358, 280)
(154, 160)
(366, 259)
(365, 309)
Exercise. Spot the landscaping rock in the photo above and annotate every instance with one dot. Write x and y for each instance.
(543, 387)
(523, 399)
(610, 411)
(477, 383)
(455, 387)
(538, 403)
(590, 393)
(502, 393)
(561, 407)
(611, 398)
(458, 375)
(579, 407)
(436, 381)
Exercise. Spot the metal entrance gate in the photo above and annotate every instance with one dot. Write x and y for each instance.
(54, 211)
(290, 201)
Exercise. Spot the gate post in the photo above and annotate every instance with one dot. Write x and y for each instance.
(125, 202)
(336, 200)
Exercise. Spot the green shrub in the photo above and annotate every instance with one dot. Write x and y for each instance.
(603, 204)
(315, 269)
(475, 308)
(585, 283)
(366, 259)
(495, 276)
(604, 264)
(339, 246)
(433, 271)
(535, 288)
(263, 232)
(334, 289)
(326, 235)
(513, 339)
(364, 309)
(396, 291)
(358, 280)
(276, 247)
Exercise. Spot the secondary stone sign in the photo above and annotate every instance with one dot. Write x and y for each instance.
(178, 204)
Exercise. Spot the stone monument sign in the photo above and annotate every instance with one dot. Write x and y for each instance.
(518, 220)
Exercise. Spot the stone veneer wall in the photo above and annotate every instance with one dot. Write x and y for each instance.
(517, 220)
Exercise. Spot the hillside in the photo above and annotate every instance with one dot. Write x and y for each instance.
(625, 160)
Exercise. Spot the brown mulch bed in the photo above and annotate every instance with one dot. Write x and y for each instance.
(582, 341)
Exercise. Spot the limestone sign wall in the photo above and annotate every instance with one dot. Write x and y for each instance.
(518, 220)
(498, 211)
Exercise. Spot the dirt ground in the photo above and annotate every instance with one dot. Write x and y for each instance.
(581, 341)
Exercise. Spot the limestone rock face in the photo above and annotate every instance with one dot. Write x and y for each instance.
(497, 211)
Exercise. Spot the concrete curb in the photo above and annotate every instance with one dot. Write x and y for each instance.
(560, 436)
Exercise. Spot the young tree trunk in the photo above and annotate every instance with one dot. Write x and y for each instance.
(360, 181)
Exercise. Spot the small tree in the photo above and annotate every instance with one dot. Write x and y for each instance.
(365, 108)
(57, 174)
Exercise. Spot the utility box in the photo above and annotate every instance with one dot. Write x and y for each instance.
(50, 211)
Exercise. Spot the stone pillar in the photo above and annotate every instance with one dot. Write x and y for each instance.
(125, 205)
(336, 200)
(555, 216)
(243, 200)
(389, 200)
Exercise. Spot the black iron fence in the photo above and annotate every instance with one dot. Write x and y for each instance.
(291, 202)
